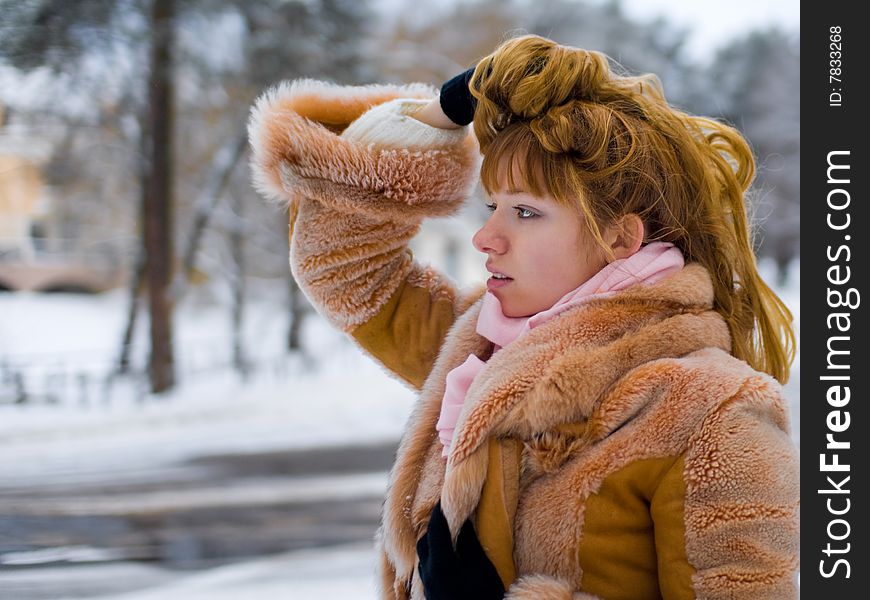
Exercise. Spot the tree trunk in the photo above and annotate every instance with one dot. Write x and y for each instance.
(141, 260)
(223, 164)
(132, 311)
(237, 241)
(296, 303)
(158, 207)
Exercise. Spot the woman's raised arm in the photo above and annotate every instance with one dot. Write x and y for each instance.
(359, 175)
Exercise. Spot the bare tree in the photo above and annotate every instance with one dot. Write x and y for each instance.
(226, 159)
(58, 34)
(237, 243)
(158, 198)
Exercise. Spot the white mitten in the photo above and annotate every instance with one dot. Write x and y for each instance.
(389, 125)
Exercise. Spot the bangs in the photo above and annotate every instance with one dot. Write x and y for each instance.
(515, 160)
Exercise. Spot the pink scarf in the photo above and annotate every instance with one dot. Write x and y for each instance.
(650, 264)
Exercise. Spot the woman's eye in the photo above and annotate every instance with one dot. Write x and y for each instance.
(491, 207)
(525, 213)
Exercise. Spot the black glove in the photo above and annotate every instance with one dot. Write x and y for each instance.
(456, 101)
(462, 574)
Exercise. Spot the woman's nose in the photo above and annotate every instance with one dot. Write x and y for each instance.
(489, 239)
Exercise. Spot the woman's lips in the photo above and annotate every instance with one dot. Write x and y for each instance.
(492, 283)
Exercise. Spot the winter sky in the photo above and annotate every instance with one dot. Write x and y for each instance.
(713, 23)
(710, 23)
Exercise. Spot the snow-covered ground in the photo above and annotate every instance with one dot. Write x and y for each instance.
(325, 574)
(293, 403)
(336, 396)
(337, 573)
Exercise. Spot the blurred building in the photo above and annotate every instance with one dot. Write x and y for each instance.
(22, 190)
(29, 258)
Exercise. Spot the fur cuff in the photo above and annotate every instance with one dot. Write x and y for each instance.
(298, 150)
(389, 125)
(544, 587)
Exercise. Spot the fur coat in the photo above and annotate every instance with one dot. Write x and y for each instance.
(618, 451)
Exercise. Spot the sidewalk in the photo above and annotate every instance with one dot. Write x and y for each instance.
(334, 573)
(324, 574)
(282, 524)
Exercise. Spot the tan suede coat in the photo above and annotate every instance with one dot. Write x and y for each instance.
(618, 451)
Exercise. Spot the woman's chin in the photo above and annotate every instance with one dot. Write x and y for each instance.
(509, 305)
(512, 311)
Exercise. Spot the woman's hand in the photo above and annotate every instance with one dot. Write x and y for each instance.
(431, 114)
(455, 99)
(465, 573)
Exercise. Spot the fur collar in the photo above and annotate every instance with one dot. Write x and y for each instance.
(560, 373)
(569, 371)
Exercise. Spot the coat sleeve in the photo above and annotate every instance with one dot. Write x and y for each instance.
(358, 177)
(727, 514)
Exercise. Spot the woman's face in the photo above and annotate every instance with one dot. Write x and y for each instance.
(542, 247)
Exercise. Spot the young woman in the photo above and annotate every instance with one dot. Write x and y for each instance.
(604, 419)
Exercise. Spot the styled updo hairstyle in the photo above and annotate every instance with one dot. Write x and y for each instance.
(610, 145)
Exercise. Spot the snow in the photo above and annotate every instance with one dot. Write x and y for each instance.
(325, 574)
(297, 403)
(335, 396)
(335, 573)
(220, 416)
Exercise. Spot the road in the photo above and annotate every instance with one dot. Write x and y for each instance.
(97, 537)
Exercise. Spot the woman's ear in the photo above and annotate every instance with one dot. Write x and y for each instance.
(625, 236)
